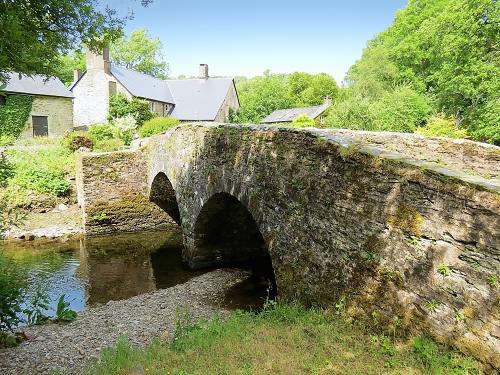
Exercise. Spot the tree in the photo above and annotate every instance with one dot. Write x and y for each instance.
(67, 64)
(34, 33)
(140, 52)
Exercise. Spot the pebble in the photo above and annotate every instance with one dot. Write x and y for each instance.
(68, 348)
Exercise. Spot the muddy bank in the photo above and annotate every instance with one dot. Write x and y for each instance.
(68, 348)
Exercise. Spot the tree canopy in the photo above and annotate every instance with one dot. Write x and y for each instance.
(33, 34)
(447, 52)
(140, 52)
(261, 95)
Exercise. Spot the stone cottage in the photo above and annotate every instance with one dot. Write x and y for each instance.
(199, 99)
(52, 107)
(286, 116)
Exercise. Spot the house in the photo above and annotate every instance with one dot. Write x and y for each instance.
(284, 116)
(199, 99)
(52, 107)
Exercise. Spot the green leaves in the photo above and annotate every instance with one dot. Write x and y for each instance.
(63, 312)
(14, 114)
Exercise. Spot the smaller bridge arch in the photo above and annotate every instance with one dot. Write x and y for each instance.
(162, 193)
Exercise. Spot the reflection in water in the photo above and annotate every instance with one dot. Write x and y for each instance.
(100, 269)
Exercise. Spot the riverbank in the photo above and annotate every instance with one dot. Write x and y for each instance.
(68, 348)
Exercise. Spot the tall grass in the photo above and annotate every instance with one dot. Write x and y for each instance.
(282, 339)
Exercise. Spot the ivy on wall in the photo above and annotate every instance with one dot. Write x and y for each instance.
(14, 114)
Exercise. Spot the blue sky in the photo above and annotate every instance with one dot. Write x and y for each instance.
(248, 37)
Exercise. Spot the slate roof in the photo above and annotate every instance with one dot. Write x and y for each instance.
(35, 85)
(142, 85)
(198, 99)
(290, 114)
(193, 99)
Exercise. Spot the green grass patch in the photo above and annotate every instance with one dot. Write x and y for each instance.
(283, 339)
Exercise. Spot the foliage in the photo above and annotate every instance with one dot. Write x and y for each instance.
(351, 112)
(120, 106)
(63, 312)
(37, 307)
(444, 50)
(34, 33)
(47, 175)
(76, 140)
(264, 94)
(14, 114)
(108, 145)
(6, 170)
(6, 140)
(310, 341)
(303, 121)
(13, 283)
(493, 281)
(140, 52)
(125, 126)
(401, 109)
(444, 270)
(74, 60)
(441, 126)
(100, 132)
(157, 125)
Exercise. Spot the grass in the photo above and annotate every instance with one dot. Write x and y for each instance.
(283, 339)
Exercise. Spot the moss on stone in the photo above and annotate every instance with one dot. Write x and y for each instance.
(408, 219)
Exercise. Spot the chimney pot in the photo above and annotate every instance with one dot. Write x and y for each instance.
(203, 71)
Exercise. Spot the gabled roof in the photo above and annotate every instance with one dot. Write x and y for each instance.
(142, 85)
(290, 114)
(35, 85)
(198, 99)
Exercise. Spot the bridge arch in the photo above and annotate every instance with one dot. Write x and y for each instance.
(162, 193)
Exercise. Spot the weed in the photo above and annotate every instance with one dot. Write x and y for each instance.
(444, 270)
(431, 305)
(414, 242)
(63, 312)
(493, 281)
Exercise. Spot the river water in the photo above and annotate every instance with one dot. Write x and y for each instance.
(92, 271)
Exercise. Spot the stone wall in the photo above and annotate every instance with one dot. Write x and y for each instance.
(406, 244)
(59, 112)
(112, 191)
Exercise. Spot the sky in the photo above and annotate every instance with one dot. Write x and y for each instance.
(244, 38)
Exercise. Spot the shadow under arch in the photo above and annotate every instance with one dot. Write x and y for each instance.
(163, 195)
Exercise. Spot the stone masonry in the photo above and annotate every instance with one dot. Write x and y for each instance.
(403, 230)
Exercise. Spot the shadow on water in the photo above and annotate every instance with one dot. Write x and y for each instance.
(97, 270)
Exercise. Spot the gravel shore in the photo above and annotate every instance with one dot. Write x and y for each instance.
(69, 347)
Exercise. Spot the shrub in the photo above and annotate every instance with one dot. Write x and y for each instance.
(108, 145)
(157, 125)
(125, 127)
(351, 113)
(6, 139)
(76, 140)
(401, 110)
(43, 181)
(303, 121)
(441, 126)
(121, 106)
(99, 132)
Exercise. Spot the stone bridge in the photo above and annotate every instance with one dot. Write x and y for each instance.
(399, 230)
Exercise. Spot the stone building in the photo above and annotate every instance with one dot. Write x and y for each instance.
(286, 116)
(199, 99)
(52, 107)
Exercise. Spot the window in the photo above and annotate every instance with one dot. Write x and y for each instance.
(3, 99)
(151, 106)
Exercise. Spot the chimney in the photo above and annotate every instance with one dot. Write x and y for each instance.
(203, 71)
(77, 74)
(97, 61)
(327, 101)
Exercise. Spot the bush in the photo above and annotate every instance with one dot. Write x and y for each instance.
(43, 181)
(351, 113)
(441, 126)
(303, 121)
(76, 140)
(108, 145)
(400, 110)
(100, 132)
(125, 127)
(157, 125)
(121, 106)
